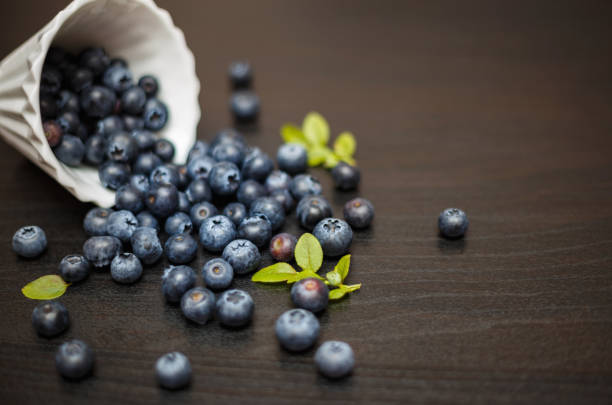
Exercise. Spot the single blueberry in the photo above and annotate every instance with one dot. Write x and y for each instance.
(216, 232)
(249, 191)
(217, 274)
(292, 158)
(133, 100)
(164, 174)
(133, 123)
(95, 59)
(149, 84)
(199, 149)
(29, 241)
(453, 223)
(257, 165)
(277, 181)
(146, 245)
(183, 205)
(70, 150)
(121, 147)
(101, 250)
(200, 211)
(198, 305)
(117, 78)
(240, 74)
(244, 105)
(80, 79)
(200, 167)
(346, 177)
(303, 185)
(224, 179)
(242, 255)
(284, 198)
(155, 114)
(97, 101)
(162, 200)
(145, 140)
(271, 208)
(74, 268)
(178, 222)
(126, 268)
(257, 229)
(109, 125)
(146, 219)
(95, 150)
(74, 359)
(95, 221)
(173, 371)
(282, 247)
(176, 280)
(129, 198)
(236, 212)
(145, 163)
(310, 293)
(50, 81)
(50, 318)
(235, 308)
(68, 101)
(334, 235)
(198, 191)
(297, 329)
(228, 152)
(69, 122)
(139, 182)
(121, 224)
(359, 213)
(335, 359)
(311, 210)
(113, 174)
(164, 149)
(181, 248)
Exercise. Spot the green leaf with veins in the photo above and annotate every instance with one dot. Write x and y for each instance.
(345, 145)
(315, 129)
(308, 253)
(303, 274)
(45, 288)
(276, 273)
(342, 267)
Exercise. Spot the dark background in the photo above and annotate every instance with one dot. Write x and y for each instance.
(500, 108)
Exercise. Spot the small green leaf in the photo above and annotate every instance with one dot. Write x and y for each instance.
(349, 160)
(334, 278)
(336, 294)
(303, 274)
(316, 129)
(331, 161)
(308, 253)
(351, 288)
(275, 273)
(343, 266)
(317, 155)
(45, 288)
(292, 134)
(345, 145)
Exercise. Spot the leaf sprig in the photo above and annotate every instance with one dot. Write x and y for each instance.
(45, 288)
(309, 256)
(314, 136)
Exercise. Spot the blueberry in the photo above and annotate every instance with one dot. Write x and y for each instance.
(80, 79)
(101, 250)
(346, 177)
(117, 78)
(334, 359)
(217, 274)
(97, 101)
(229, 135)
(69, 122)
(297, 329)
(50, 81)
(126, 268)
(162, 200)
(53, 133)
(133, 100)
(164, 149)
(68, 101)
(216, 232)
(50, 318)
(334, 235)
(200, 211)
(82, 133)
(277, 181)
(452, 223)
(140, 183)
(235, 308)
(244, 105)
(198, 191)
(359, 213)
(74, 359)
(121, 224)
(94, 59)
(249, 191)
(228, 152)
(282, 247)
(198, 305)
(176, 280)
(164, 174)
(200, 167)
(181, 248)
(284, 198)
(311, 210)
(144, 140)
(48, 107)
(311, 294)
(271, 208)
(129, 198)
(70, 150)
(184, 205)
(95, 150)
(236, 212)
(155, 114)
(303, 185)
(257, 165)
(178, 222)
(113, 174)
(292, 158)
(29, 241)
(133, 123)
(224, 179)
(145, 163)
(257, 229)
(199, 149)
(183, 176)
(242, 255)
(109, 125)
(95, 221)
(173, 371)
(149, 84)
(146, 219)
(146, 245)
(74, 268)
(240, 74)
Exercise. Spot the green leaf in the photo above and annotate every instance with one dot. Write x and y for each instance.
(292, 134)
(317, 155)
(336, 294)
(45, 288)
(308, 253)
(345, 145)
(349, 160)
(342, 267)
(303, 274)
(275, 273)
(331, 161)
(351, 288)
(316, 129)
(334, 278)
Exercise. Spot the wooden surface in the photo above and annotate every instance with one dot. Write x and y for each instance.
(500, 108)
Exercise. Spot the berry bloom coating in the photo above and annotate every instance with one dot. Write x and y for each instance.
(453, 223)
(292, 158)
(129, 198)
(74, 268)
(198, 305)
(121, 148)
(334, 235)
(50, 318)
(271, 208)
(200, 211)
(236, 212)
(140, 183)
(217, 274)
(117, 78)
(113, 174)
(257, 165)
(176, 280)
(146, 219)
(282, 247)
(277, 180)
(311, 294)
(74, 359)
(303, 185)
(29, 241)
(162, 200)
(235, 308)
(297, 329)
(178, 223)
(242, 255)
(249, 191)
(53, 133)
(126, 268)
(216, 232)
(155, 115)
(146, 245)
(173, 371)
(181, 248)
(164, 174)
(244, 105)
(121, 224)
(133, 100)
(149, 84)
(312, 209)
(240, 74)
(346, 177)
(198, 191)
(335, 359)
(100, 250)
(224, 179)
(70, 150)
(95, 221)
(200, 167)
(257, 229)
(359, 213)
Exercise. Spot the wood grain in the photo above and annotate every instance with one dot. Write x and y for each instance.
(500, 108)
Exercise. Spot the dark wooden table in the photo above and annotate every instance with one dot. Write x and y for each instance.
(500, 108)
